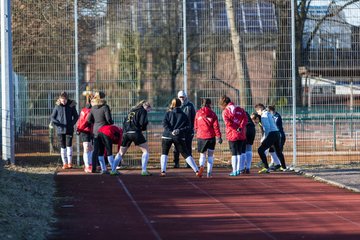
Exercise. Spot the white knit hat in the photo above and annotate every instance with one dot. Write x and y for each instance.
(182, 93)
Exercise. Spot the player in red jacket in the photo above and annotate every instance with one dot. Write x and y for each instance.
(84, 130)
(109, 135)
(235, 120)
(206, 126)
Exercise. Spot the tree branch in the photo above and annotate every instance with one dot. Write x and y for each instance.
(328, 15)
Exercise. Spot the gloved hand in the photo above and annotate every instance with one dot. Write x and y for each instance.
(175, 132)
(219, 140)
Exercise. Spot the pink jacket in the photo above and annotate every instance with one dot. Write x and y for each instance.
(206, 124)
(235, 122)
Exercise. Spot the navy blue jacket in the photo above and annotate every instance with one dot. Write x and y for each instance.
(175, 119)
(189, 109)
(64, 117)
(279, 124)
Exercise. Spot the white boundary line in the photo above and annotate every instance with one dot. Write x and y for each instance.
(146, 220)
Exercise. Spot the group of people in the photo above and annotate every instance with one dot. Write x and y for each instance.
(181, 122)
(98, 132)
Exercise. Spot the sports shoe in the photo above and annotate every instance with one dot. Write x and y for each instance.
(87, 169)
(114, 173)
(271, 165)
(163, 174)
(247, 171)
(242, 171)
(198, 174)
(208, 175)
(286, 169)
(66, 166)
(233, 174)
(264, 170)
(146, 173)
(201, 170)
(275, 167)
(103, 172)
(260, 164)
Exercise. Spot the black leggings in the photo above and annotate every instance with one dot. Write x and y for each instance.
(179, 144)
(273, 139)
(237, 147)
(188, 145)
(65, 140)
(105, 143)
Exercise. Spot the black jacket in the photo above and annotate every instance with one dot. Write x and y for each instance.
(100, 115)
(189, 109)
(64, 117)
(175, 119)
(136, 120)
(250, 123)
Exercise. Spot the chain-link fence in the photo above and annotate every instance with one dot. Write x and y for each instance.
(134, 50)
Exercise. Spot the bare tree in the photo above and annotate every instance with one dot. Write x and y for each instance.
(44, 31)
(334, 8)
(43, 40)
(239, 54)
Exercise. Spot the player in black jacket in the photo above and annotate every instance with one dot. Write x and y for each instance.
(176, 127)
(134, 124)
(100, 115)
(250, 137)
(189, 109)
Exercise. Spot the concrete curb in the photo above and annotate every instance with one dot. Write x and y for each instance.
(324, 180)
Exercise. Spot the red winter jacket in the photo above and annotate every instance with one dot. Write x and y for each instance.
(114, 132)
(206, 124)
(235, 122)
(83, 125)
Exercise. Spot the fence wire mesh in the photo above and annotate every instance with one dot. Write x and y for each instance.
(133, 50)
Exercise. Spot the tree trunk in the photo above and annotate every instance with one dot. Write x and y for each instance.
(240, 56)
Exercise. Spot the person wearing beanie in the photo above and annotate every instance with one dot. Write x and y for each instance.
(189, 109)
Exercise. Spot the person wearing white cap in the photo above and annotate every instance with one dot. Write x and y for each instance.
(189, 109)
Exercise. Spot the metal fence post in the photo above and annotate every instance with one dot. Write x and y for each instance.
(51, 138)
(334, 134)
